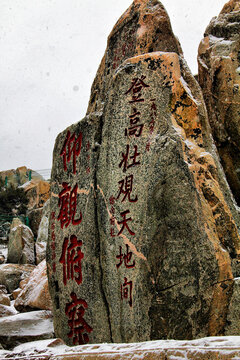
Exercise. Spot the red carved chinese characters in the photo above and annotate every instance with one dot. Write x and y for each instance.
(79, 329)
(124, 223)
(153, 115)
(126, 157)
(126, 186)
(72, 255)
(68, 205)
(135, 89)
(71, 149)
(130, 158)
(126, 258)
(126, 291)
(71, 260)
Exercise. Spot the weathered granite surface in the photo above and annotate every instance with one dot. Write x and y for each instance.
(21, 244)
(143, 235)
(219, 77)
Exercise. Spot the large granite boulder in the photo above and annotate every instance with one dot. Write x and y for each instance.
(219, 77)
(21, 244)
(143, 231)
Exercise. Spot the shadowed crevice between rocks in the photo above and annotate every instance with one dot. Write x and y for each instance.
(98, 141)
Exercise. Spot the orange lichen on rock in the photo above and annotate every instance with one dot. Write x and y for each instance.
(38, 192)
(232, 5)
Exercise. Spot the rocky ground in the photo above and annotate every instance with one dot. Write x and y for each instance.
(25, 305)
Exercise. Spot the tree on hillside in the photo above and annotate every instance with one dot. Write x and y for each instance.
(13, 201)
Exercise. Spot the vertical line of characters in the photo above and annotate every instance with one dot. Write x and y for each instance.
(130, 160)
(71, 254)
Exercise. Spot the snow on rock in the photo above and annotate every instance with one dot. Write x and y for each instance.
(201, 349)
(21, 328)
(35, 294)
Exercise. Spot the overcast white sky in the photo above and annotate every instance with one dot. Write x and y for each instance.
(50, 51)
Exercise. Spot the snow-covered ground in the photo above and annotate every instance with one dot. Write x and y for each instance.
(220, 348)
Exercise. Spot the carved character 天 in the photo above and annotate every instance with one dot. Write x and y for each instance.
(124, 223)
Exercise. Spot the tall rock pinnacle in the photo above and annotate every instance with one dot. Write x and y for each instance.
(143, 241)
(219, 77)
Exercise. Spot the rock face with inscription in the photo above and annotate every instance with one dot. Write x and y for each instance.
(219, 77)
(143, 238)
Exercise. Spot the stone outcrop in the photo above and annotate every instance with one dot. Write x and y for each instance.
(19, 176)
(143, 236)
(219, 77)
(12, 274)
(38, 192)
(21, 244)
(34, 294)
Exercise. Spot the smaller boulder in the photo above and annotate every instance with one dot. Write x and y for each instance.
(34, 294)
(4, 297)
(40, 251)
(21, 244)
(35, 216)
(42, 238)
(15, 293)
(4, 229)
(43, 227)
(12, 274)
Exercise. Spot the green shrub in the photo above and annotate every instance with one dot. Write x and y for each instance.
(12, 200)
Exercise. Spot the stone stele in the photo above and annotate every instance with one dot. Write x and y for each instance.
(143, 238)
